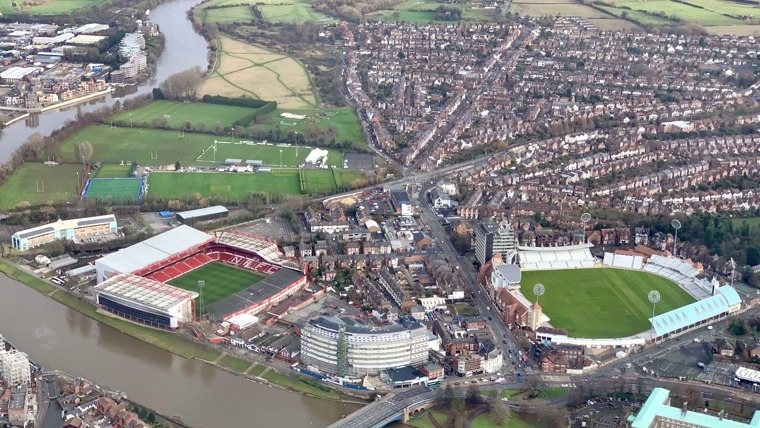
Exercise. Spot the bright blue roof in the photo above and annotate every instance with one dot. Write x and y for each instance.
(656, 405)
(696, 312)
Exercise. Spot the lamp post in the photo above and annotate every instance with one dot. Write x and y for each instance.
(654, 297)
(585, 218)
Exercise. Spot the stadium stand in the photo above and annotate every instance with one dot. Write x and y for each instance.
(726, 301)
(623, 261)
(548, 258)
(265, 248)
(682, 273)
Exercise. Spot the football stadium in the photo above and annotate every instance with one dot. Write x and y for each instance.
(590, 302)
(174, 277)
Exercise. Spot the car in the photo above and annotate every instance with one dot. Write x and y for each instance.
(490, 318)
(504, 342)
(505, 335)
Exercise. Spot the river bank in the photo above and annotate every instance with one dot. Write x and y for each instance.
(182, 346)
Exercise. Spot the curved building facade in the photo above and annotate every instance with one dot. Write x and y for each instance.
(346, 348)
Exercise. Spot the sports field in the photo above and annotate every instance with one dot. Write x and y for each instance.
(113, 171)
(267, 153)
(291, 11)
(160, 147)
(345, 121)
(179, 113)
(169, 185)
(242, 69)
(602, 303)
(114, 190)
(221, 281)
(38, 184)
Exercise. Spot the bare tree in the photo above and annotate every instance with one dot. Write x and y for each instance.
(85, 151)
(498, 411)
(183, 85)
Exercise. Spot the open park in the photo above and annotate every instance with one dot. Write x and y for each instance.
(238, 186)
(604, 302)
(243, 69)
(39, 184)
(221, 281)
(48, 7)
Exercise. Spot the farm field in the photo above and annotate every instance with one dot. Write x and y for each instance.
(423, 12)
(542, 8)
(38, 184)
(247, 70)
(602, 303)
(221, 281)
(238, 186)
(291, 11)
(736, 30)
(704, 12)
(55, 7)
(228, 15)
(179, 113)
(159, 147)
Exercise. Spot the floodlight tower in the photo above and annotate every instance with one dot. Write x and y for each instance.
(296, 144)
(654, 297)
(676, 225)
(201, 284)
(585, 218)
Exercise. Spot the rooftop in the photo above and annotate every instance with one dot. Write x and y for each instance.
(217, 209)
(64, 224)
(148, 292)
(697, 311)
(657, 407)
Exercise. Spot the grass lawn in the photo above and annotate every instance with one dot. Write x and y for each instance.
(6, 6)
(221, 281)
(552, 393)
(344, 120)
(235, 363)
(117, 190)
(229, 15)
(296, 11)
(268, 153)
(30, 280)
(38, 184)
(704, 12)
(56, 7)
(159, 147)
(483, 421)
(602, 303)
(179, 113)
(752, 222)
(238, 186)
(423, 420)
(113, 171)
(298, 386)
(424, 12)
(459, 309)
(257, 370)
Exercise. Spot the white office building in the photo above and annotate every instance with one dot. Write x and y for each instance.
(347, 347)
(16, 369)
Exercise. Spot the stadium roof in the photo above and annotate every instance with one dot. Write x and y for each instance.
(263, 247)
(145, 291)
(561, 248)
(258, 292)
(657, 406)
(154, 249)
(510, 272)
(65, 224)
(200, 212)
(687, 315)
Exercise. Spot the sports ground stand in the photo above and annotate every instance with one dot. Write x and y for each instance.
(363, 161)
(258, 292)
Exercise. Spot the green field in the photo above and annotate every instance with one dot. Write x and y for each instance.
(268, 153)
(179, 113)
(704, 12)
(58, 7)
(232, 186)
(113, 171)
(293, 11)
(344, 120)
(112, 145)
(37, 184)
(114, 190)
(228, 15)
(602, 303)
(221, 281)
(423, 12)
(738, 222)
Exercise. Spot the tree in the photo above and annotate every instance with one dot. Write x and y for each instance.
(498, 411)
(176, 166)
(737, 327)
(753, 256)
(448, 396)
(183, 85)
(473, 395)
(85, 151)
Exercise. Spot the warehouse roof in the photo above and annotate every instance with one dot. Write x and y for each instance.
(200, 212)
(657, 407)
(157, 248)
(145, 291)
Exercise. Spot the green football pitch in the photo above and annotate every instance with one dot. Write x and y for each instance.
(221, 281)
(602, 303)
(121, 190)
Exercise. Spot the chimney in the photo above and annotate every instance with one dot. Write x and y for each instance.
(721, 415)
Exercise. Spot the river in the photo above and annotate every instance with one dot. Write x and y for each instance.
(204, 396)
(184, 49)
